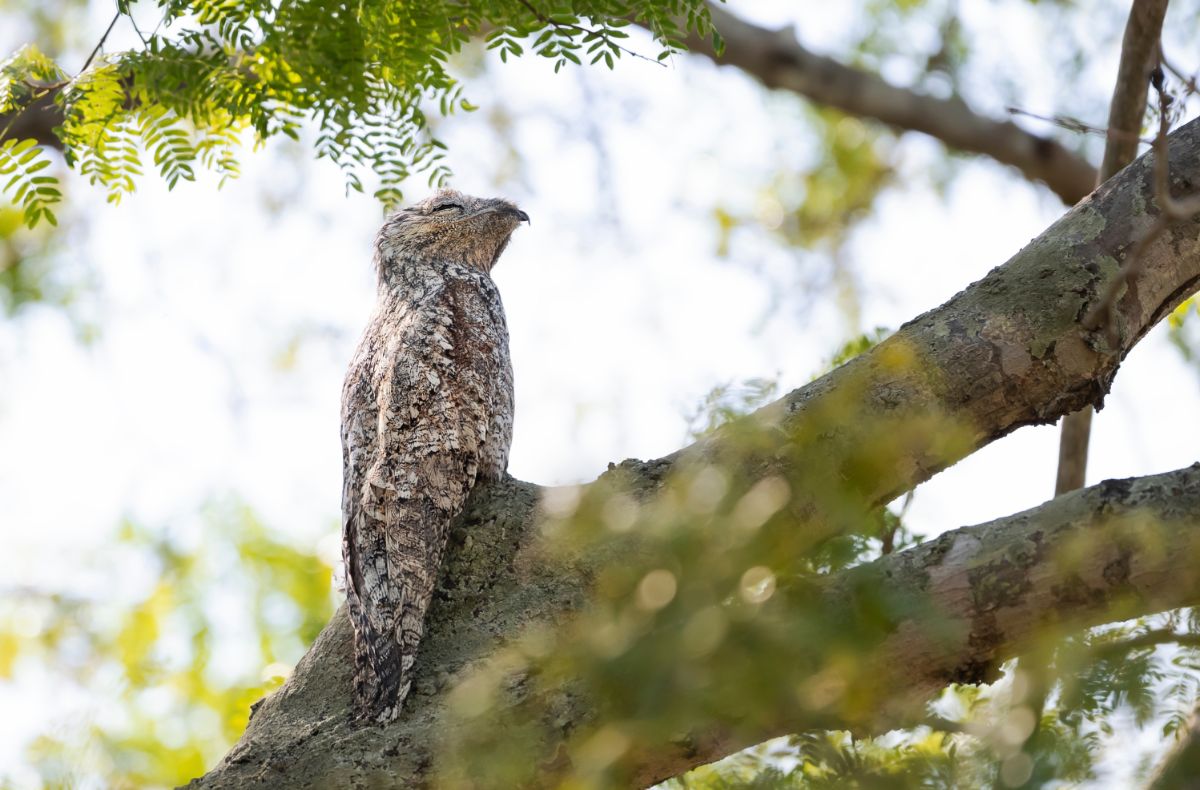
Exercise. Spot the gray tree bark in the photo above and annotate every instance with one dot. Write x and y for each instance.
(1006, 352)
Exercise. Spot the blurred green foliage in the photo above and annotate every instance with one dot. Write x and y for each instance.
(817, 205)
(1183, 329)
(365, 74)
(26, 274)
(162, 706)
(725, 621)
(726, 618)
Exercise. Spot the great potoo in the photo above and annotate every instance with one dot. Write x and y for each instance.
(427, 411)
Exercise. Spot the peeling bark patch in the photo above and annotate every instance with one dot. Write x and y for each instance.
(1074, 356)
(1014, 360)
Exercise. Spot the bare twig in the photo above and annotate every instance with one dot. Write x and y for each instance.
(138, 30)
(778, 60)
(1189, 80)
(888, 540)
(1075, 125)
(1073, 441)
(100, 43)
(546, 20)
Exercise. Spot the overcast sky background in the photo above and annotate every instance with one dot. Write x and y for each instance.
(226, 318)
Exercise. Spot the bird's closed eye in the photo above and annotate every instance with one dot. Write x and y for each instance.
(446, 206)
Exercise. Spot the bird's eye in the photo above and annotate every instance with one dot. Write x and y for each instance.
(445, 206)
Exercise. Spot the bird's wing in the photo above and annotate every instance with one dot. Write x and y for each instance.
(433, 384)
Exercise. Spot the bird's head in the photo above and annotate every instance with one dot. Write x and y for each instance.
(449, 227)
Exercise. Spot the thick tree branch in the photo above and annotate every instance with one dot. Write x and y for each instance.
(1006, 352)
(777, 60)
(994, 588)
(1126, 111)
(37, 121)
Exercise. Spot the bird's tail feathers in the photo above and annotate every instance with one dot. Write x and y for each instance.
(387, 602)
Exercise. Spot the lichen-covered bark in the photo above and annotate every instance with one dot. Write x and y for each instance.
(1119, 549)
(991, 588)
(1007, 351)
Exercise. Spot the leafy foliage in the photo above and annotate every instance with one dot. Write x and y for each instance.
(726, 401)
(1182, 330)
(365, 73)
(177, 707)
(26, 274)
(727, 618)
(22, 164)
(818, 204)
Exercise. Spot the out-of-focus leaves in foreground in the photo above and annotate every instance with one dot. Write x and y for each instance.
(176, 668)
(1184, 331)
(752, 607)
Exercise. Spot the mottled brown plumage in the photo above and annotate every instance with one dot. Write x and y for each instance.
(427, 411)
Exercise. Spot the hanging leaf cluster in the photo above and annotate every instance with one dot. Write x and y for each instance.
(366, 75)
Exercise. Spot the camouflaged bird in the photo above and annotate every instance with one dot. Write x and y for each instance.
(427, 411)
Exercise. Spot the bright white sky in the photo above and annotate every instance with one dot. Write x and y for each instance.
(622, 316)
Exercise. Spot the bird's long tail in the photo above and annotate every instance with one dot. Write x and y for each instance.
(391, 578)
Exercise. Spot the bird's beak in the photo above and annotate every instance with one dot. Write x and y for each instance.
(499, 206)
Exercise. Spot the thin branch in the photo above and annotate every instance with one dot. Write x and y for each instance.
(778, 60)
(100, 43)
(1073, 440)
(39, 118)
(138, 30)
(1189, 80)
(1076, 125)
(1127, 109)
(545, 20)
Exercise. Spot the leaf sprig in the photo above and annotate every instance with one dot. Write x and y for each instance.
(366, 74)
